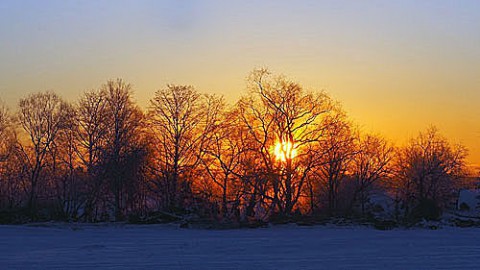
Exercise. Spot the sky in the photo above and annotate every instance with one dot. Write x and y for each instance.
(398, 67)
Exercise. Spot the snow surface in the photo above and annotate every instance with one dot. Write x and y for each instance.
(56, 246)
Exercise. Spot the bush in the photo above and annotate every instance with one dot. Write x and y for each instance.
(384, 224)
(426, 209)
(14, 216)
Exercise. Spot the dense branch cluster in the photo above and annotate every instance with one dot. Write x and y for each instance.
(279, 151)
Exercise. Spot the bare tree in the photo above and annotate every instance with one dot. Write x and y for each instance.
(336, 152)
(92, 126)
(5, 122)
(221, 158)
(428, 168)
(8, 166)
(122, 156)
(370, 164)
(182, 119)
(285, 122)
(65, 168)
(42, 116)
(91, 132)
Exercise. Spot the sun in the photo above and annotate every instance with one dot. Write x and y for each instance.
(285, 150)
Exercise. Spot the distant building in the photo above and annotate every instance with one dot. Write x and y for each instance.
(469, 201)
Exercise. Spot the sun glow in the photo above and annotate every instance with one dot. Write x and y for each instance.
(285, 150)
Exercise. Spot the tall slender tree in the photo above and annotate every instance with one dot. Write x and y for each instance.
(371, 163)
(91, 134)
(42, 116)
(182, 119)
(336, 152)
(123, 148)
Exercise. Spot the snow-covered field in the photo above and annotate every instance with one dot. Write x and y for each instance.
(281, 247)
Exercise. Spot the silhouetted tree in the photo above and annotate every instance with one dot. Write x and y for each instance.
(336, 152)
(5, 122)
(41, 115)
(92, 126)
(370, 164)
(123, 137)
(182, 119)
(278, 152)
(222, 158)
(9, 166)
(285, 122)
(427, 169)
(65, 159)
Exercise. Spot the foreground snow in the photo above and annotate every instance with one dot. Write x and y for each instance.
(284, 247)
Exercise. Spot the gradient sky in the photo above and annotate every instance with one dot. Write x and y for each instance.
(397, 66)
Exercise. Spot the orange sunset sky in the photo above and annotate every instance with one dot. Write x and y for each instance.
(396, 66)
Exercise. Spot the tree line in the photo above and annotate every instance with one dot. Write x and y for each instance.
(278, 152)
